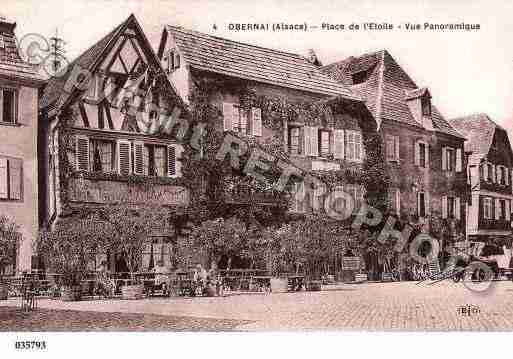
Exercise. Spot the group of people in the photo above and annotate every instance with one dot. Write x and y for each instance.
(204, 283)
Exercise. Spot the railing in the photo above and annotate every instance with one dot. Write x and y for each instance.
(499, 224)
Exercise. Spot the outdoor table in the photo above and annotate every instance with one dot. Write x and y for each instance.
(262, 281)
(295, 282)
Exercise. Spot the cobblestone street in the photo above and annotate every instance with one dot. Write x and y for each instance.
(372, 306)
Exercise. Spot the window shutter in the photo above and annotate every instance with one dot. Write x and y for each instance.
(15, 167)
(427, 204)
(426, 154)
(398, 201)
(227, 116)
(444, 159)
(418, 204)
(124, 157)
(485, 171)
(314, 140)
(494, 174)
(138, 158)
(417, 153)
(3, 178)
(396, 147)
(256, 121)
(82, 153)
(171, 161)
(444, 206)
(459, 164)
(497, 208)
(177, 60)
(508, 210)
(481, 207)
(457, 210)
(338, 139)
(307, 142)
(506, 175)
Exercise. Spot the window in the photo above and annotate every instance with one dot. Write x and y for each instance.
(298, 203)
(8, 105)
(173, 61)
(11, 178)
(353, 146)
(101, 156)
(502, 175)
(324, 142)
(502, 209)
(357, 193)
(422, 155)
(451, 207)
(426, 106)
(488, 208)
(421, 204)
(2, 43)
(240, 120)
(294, 140)
(392, 148)
(359, 77)
(155, 160)
(489, 178)
(449, 159)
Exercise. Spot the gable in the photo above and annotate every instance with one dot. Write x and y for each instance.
(124, 88)
(500, 149)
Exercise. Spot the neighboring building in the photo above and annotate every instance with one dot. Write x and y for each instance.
(490, 171)
(424, 153)
(19, 86)
(97, 148)
(331, 141)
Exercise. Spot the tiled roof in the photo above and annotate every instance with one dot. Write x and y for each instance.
(254, 63)
(54, 90)
(11, 63)
(479, 130)
(385, 88)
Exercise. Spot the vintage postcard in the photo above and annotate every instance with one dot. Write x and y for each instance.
(219, 166)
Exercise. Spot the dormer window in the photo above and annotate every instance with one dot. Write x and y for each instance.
(426, 106)
(359, 77)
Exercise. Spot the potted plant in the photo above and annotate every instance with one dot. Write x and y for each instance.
(9, 237)
(129, 229)
(68, 248)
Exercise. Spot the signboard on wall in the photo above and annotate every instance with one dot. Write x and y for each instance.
(105, 192)
(351, 263)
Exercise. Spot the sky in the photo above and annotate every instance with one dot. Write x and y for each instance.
(466, 71)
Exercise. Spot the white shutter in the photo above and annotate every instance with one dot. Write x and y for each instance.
(508, 210)
(171, 161)
(124, 157)
(398, 201)
(82, 153)
(417, 153)
(427, 203)
(307, 141)
(138, 158)
(338, 136)
(485, 171)
(418, 204)
(396, 147)
(506, 175)
(457, 210)
(3, 178)
(256, 121)
(494, 174)
(227, 116)
(444, 206)
(444, 159)
(459, 159)
(314, 140)
(497, 208)
(15, 178)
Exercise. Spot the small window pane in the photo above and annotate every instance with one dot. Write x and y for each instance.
(8, 106)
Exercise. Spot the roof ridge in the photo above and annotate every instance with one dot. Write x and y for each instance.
(477, 115)
(181, 28)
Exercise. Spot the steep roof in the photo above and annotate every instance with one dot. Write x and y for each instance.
(250, 62)
(385, 86)
(11, 63)
(479, 129)
(54, 94)
(54, 90)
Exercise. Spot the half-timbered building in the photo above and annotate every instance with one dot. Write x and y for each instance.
(102, 121)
